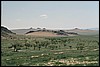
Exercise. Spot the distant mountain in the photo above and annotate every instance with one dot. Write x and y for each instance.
(84, 31)
(93, 29)
(5, 31)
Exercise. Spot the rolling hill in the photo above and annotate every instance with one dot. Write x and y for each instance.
(5, 31)
(76, 30)
(43, 32)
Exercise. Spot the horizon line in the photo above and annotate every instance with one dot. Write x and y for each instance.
(48, 28)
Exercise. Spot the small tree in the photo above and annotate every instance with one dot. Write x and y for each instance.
(52, 46)
(27, 44)
(77, 47)
(80, 46)
(46, 44)
(15, 48)
(34, 44)
(70, 47)
(64, 45)
(15, 45)
(39, 45)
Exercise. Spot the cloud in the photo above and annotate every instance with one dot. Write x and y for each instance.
(43, 16)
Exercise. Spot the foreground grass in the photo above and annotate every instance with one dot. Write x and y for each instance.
(63, 56)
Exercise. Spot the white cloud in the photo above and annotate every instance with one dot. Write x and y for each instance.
(44, 16)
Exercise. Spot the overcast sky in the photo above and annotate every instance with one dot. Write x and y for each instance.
(50, 14)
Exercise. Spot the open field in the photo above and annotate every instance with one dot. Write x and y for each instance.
(42, 34)
(24, 50)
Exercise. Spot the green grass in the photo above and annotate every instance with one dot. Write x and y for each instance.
(24, 57)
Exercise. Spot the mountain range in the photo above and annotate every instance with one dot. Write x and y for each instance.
(93, 28)
(91, 31)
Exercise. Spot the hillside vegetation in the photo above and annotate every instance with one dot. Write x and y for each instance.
(23, 50)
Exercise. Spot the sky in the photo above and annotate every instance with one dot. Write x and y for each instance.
(50, 14)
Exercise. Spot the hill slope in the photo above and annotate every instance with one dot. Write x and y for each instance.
(42, 34)
(22, 31)
(5, 32)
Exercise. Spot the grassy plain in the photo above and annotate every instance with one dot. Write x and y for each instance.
(53, 51)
